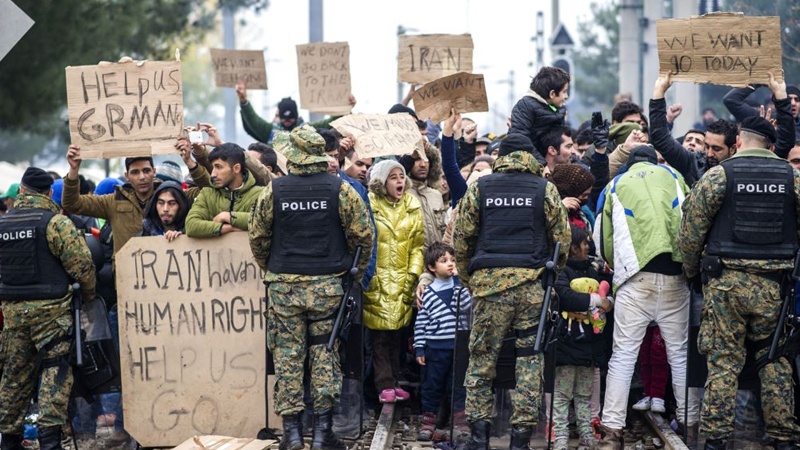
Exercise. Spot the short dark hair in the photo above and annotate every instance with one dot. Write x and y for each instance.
(553, 138)
(724, 128)
(707, 109)
(270, 159)
(549, 79)
(230, 153)
(584, 136)
(435, 251)
(692, 131)
(331, 138)
(579, 235)
(129, 161)
(259, 147)
(624, 109)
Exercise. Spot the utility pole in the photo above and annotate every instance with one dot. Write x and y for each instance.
(315, 34)
(229, 94)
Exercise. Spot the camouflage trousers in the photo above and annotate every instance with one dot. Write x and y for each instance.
(493, 316)
(298, 311)
(29, 331)
(741, 306)
(573, 383)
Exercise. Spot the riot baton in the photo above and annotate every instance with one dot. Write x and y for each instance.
(550, 278)
(76, 313)
(347, 300)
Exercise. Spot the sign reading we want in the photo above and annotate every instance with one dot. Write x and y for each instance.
(132, 108)
(721, 48)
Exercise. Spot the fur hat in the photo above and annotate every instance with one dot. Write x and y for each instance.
(571, 180)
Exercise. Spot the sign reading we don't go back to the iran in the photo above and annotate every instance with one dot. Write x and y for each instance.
(721, 48)
(132, 108)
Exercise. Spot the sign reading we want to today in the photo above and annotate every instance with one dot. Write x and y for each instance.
(720, 48)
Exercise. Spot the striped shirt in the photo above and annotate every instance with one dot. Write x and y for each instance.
(436, 321)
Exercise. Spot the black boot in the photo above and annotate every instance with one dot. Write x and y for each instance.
(785, 445)
(49, 438)
(520, 437)
(324, 437)
(479, 440)
(292, 438)
(716, 444)
(11, 442)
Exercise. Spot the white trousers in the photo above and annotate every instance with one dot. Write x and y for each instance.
(646, 297)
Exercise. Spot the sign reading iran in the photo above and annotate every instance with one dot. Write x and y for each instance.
(465, 92)
(720, 48)
(192, 326)
(132, 108)
(381, 134)
(427, 57)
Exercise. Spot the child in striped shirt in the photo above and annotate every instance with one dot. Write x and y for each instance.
(435, 337)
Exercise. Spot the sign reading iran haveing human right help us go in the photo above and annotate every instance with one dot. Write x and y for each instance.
(721, 48)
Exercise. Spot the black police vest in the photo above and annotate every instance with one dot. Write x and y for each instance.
(513, 228)
(758, 219)
(307, 232)
(28, 271)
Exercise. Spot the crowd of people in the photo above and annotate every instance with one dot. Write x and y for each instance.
(672, 253)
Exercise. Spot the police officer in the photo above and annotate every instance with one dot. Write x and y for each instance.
(743, 216)
(508, 224)
(41, 252)
(303, 232)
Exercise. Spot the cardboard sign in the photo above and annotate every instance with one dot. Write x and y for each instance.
(463, 91)
(232, 66)
(125, 109)
(426, 57)
(381, 134)
(720, 48)
(223, 442)
(324, 77)
(192, 338)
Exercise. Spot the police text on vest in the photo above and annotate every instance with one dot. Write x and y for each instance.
(16, 235)
(306, 205)
(760, 188)
(509, 201)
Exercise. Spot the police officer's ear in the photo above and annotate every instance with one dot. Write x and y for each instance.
(737, 145)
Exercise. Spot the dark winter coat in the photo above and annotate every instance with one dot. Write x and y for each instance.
(533, 117)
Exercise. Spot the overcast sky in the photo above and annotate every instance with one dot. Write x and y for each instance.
(501, 31)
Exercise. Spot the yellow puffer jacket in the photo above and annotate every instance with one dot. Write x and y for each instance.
(387, 303)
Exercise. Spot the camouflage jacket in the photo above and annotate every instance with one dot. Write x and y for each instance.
(67, 245)
(485, 282)
(352, 212)
(699, 210)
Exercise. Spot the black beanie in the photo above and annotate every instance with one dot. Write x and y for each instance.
(759, 126)
(642, 153)
(287, 108)
(37, 179)
(515, 142)
(401, 108)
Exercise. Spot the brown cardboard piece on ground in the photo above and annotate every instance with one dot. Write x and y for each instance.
(232, 66)
(323, 69)
(721, 48)
(192, 338)
(223, 443)
(381, 134)
(426, 57)
(125, 109)
(463, 91)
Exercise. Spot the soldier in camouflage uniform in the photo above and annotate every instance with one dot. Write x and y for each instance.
(507, 225)
(41, 251)
(303, 231)
(742, 219)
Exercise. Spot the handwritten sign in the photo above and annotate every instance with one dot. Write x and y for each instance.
(125, 109)
(427, 57)
(463, 91)
(324, 71)
(192, 348)
(721, 48)
(381, 134)
(232, 66)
